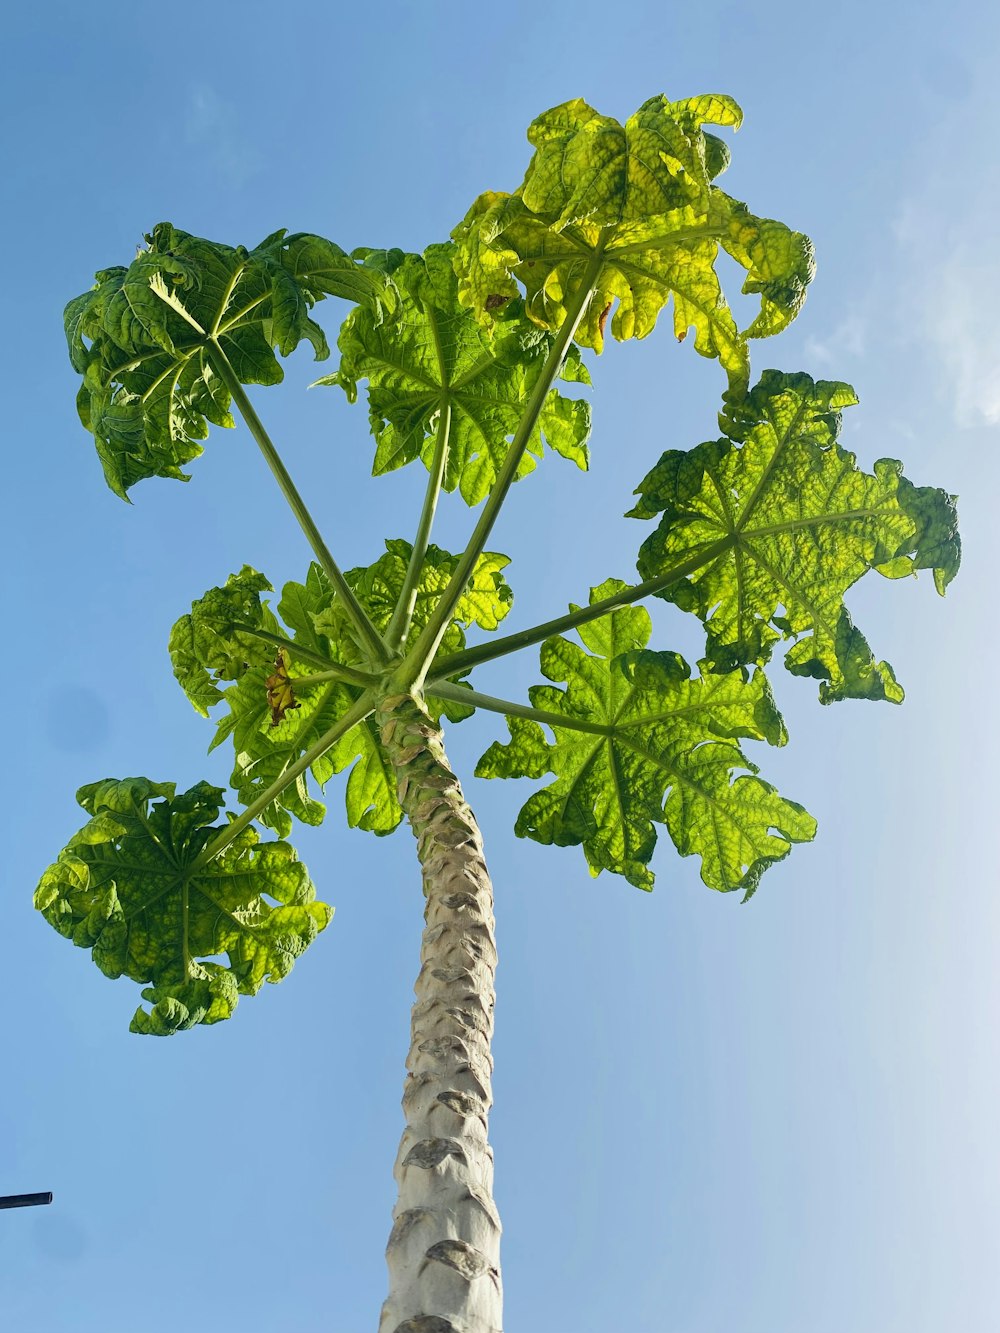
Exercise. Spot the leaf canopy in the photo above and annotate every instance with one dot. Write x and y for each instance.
(221, 639)
(264, 748)
(800, 523)
(437, 354)
(126, 886)
(638, 198)
(141, 338)
(639, 743)
(485, 602)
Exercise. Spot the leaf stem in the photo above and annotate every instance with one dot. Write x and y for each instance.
(458, 663)
(399, 625)
(320, 678)
(422, 653)
(355, 610)
(334, 670)
(185, 917)
(446, 690)
(355, 714)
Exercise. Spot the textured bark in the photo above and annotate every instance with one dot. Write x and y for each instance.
(444, 1250)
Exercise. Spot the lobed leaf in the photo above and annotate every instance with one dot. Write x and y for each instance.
(639, 743)
(485, 602)
(126, 886)
(800, 523)
(267, 741)
(436, 354)
(275, 711)
(638, 199)
(141, 336)
(217, 640)
(266, 748)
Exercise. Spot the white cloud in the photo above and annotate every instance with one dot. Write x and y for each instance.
(953, 305)
(846, 339)
(212, 125)
(961, 323)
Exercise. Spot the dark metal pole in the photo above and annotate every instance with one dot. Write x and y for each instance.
(24, 1200)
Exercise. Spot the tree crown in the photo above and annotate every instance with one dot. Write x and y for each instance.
(760, 533)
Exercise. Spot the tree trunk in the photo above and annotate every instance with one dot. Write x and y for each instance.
(444, 1250)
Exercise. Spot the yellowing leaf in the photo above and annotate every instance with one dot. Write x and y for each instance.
(639, 743)
(280, 695)
(799, 523)
(638, 199)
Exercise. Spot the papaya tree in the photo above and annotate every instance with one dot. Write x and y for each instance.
(464, 353)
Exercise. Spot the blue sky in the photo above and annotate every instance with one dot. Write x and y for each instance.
(777, 1118)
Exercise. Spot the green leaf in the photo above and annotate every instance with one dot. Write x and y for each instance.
(140, 338)
(801, 524)
(438, 354)
(265, 750)
(485, 602)
(222, 639)
(217, 642)
(126, 887)
(639, 743)
(641, 196)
